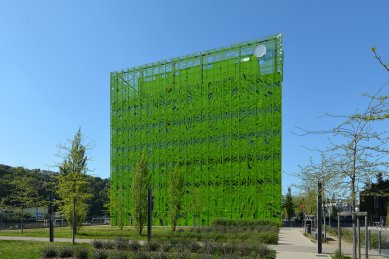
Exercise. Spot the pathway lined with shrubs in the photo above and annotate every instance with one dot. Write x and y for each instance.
(292, 244)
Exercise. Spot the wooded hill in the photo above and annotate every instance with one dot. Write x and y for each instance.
(12, 180)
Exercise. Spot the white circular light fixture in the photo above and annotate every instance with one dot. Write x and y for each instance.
(260, 51)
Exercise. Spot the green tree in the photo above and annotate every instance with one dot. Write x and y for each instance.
(100, 196)
(309, 201)
(22, 192)
(140, 185)
(3, 207)
(288, 205)
(196, 205)
(72, 182)
(176, 191)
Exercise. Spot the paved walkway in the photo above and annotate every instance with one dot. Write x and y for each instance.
(292, 244)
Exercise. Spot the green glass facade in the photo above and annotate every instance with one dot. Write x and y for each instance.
(215, 114)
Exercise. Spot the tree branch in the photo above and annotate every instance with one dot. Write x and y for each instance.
(379, 58)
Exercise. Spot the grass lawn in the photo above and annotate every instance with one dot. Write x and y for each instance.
(27, 249)
(92, 232)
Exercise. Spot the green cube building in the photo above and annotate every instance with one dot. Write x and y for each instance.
(216, 115)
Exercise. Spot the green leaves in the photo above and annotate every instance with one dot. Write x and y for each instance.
(288, 205)
(176, 191)
(23, 191)
(72, 180)
(140, 184)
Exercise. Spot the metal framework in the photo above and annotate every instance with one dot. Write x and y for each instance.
(215, 114)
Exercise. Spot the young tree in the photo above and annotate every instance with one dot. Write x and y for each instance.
(140, 185)
(176, 191)
(288, 205)
(72, 183)
(23, 193)
(196, 205)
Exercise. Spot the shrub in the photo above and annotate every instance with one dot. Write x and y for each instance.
(208, 229)
(228, 249)
(119, 255)
(82, 253)
(232, 256)
(134, 246)
(108, 244)
(166, 246)
(98, 244)
(49, 252)
(243, 223)
(161, 255)
(261, 250)
(181, 255)
(151, 246)
(180, 247)
(338, 255)
(194, 247)
(374, 240)
(100, 254)
(122, 243)
(210, 247)
(267, 237)
(66, 251)
(140, 255)
(245, 249)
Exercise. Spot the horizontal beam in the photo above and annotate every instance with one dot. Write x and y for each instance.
(349, 213)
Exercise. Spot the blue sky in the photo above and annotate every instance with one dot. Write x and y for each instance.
(56, 56)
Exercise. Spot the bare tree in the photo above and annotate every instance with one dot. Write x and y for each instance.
(358, 150)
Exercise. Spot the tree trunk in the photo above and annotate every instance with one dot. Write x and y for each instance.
(353, 197)
(353, 218)
(74, 221)
(140, 221)
(174, 225)
(21, 220)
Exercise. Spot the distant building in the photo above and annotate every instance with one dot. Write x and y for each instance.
(37, 212)
(374, 200)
